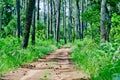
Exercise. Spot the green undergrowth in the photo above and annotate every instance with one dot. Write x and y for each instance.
(13, 56)
(100, 61)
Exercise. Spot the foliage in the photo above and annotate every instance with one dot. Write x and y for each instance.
(92, 16)
(12, 56)
(115, 31)
(97, 61)
(40, 31)
(100, 61)
(10, 29)
(7, 7)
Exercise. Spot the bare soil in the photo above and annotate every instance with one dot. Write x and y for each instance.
(54, 66)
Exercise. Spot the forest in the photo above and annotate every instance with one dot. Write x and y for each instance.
(30, 29)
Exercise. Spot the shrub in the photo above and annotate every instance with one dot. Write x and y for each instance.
(96, 60)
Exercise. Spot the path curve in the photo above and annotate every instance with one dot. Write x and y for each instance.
(54, 66)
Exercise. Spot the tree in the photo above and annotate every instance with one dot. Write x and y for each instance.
(51, 16)
(28, 21)
(33, 27)
(48, 20)
(64, 20)
(78, 27)
(58, 21)
(70, 21)
(54, 18)
(38, 10)
(82, 23)
(109, 15)
(45, 17)
(103, 21)
(18, 18)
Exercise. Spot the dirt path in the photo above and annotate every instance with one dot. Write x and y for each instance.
(54, 66)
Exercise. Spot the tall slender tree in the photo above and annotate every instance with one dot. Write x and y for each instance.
(70, 20)
(54, 18)
(38, 10)
(82, 23)
(45, 17)
(51, 16)
(28, 21)
(109, 13)
(103, 21)
(64, 20)
(48, 20)
(78, 27)
(58, 21)
(26, 4)
(18, 18)
(33, 26)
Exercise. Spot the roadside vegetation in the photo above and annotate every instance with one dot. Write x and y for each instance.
(12, 56)
(100, 61)
(30, 29)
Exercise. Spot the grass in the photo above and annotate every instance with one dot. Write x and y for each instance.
(97, 60)
(100, 61)
(13, 56)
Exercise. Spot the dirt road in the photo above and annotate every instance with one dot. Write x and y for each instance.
(54, 66)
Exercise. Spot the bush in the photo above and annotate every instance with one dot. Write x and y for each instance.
(12, 56)
(96, 60)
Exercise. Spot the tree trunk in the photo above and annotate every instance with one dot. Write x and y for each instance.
(54, 16)
(58, 21)
(82, 25)
(51, 16)
(70, 21)
(64, 20)
(45, 17)
(102, 21)
(26, 4)
(33, 27)
(77, 18)
(109, 24)
(18, 18)
(38, 10)
(23, 3)
(48, 18)
(28, 21)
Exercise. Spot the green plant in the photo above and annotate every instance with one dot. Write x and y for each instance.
(12, 56)
(96, 60)
(115, 30)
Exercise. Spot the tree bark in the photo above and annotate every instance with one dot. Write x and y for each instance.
(51, 17)
(54, 16)
(18, 18)
(109, 24)
(23, 3)
(48, 19)
(78, 19)
(45, 17)
(28, 21)
(26, 4)
(82, 23)
(102, 21)
(33, 27)
(64, 20)
(70, 21)
(58, 21)
(38, 10)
